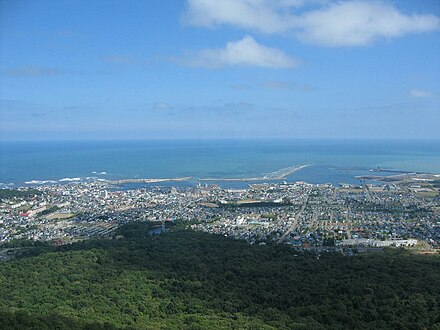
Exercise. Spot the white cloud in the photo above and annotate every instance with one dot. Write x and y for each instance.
(342, 23)
(244, 52)
(419, 93)
(358, 23)
(260, 15)
(162, 106)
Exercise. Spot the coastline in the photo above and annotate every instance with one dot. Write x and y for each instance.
(148, 180)
(148, 162)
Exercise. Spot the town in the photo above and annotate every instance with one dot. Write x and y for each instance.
(404, 212)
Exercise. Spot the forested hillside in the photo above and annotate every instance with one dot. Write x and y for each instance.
(184, 279)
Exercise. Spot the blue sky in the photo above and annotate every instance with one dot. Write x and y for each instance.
(219, 69)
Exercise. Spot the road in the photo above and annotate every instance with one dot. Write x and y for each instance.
(295, 222)
(367, 191)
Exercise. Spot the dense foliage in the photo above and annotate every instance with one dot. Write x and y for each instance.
(13, 193)
(49, 210)
(184, 279)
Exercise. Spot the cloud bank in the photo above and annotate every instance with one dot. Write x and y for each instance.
(331, 24)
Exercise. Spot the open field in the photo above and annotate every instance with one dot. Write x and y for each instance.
(60, 216)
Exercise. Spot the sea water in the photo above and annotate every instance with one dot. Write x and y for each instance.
(331, 161)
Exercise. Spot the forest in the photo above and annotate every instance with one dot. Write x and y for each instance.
(15, 193)
(183, 279)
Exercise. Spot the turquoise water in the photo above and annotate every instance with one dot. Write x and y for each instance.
(333, 161)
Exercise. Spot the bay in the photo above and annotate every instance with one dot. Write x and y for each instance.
(332, 161)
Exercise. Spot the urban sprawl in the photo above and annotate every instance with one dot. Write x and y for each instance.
(398, 211)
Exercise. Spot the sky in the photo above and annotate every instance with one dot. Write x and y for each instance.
(163, 69)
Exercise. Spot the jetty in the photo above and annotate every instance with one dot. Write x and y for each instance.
(274, 176)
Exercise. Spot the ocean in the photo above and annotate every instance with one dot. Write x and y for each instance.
(331, 161)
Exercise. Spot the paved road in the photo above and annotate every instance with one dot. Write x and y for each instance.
(295, 222)
(367, 190)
